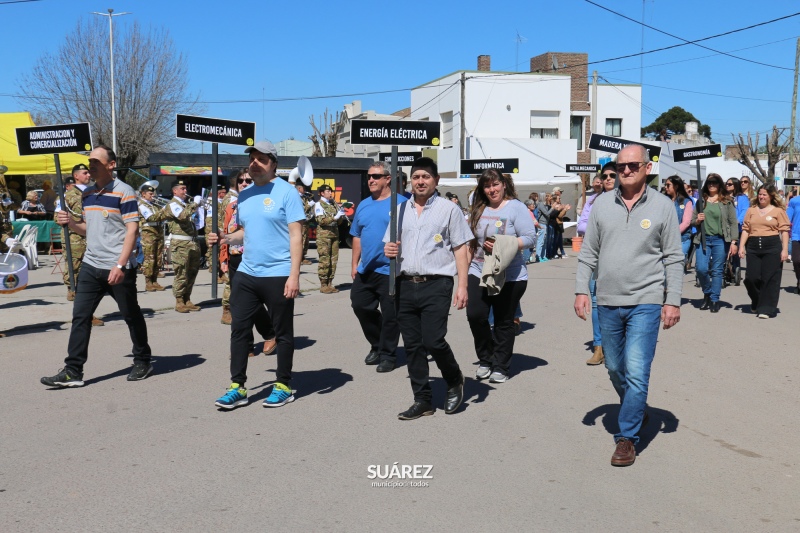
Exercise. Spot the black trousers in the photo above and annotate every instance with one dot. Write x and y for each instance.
(251, 293)
(796, 259)
(261, 319)
(380, 327)
(91, 287)
(763, 276)
(422, 313)
(495, 353)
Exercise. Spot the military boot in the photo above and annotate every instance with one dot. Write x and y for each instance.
(148, 286)
(157, 286)
(331, 288)
(70, 295)
(226, 315)
(180, 306)
(190, 306)
(324, 288)
(597, 357)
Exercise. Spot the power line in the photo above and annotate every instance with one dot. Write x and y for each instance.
(18, 1)
(707, 94)
(706, 38)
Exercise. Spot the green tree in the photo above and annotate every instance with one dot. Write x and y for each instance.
(675, 120)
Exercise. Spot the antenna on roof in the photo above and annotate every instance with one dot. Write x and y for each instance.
(519, 39)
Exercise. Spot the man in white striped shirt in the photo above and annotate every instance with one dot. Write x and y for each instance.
(430, 250)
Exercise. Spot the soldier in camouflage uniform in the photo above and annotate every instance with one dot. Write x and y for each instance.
(236, 181)
(327, 215)
(77, 243)
(308, 208)
(221, 195)
(180, 215)
(151, 231)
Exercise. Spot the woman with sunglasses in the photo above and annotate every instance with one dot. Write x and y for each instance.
(718, 220)
(742, 203)
(603, 182)
(765, 242)
(747, 188)
(684, 208)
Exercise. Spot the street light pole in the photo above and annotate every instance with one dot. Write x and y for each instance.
(110, 16)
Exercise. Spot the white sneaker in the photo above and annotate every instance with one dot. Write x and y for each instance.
(483, 372)
(762, 315)
(498, 377)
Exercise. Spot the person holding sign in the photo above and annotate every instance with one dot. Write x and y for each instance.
(432, 235)
(110, 224)
(151, 223)
(270, 216)
(721, 226)
(181, 216)
(329, 216)
(633, 244)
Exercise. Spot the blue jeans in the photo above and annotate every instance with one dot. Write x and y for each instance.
(597, 338)
(710, 264)
(686, 243)
(630, 334)
(541, 237)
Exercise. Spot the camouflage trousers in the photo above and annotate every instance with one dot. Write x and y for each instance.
(328, 250)
(186, 263)
(6, 232)
(304, 231)
(153, 250)
(77, 247)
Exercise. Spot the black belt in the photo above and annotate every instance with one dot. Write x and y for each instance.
(422, 279)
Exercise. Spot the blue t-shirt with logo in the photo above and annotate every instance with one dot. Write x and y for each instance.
(369, 224)
(265, 211)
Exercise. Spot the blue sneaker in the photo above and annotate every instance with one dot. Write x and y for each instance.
(235, 396)
(281, 395)
(544, 260)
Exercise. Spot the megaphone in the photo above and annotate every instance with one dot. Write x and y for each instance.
(303, 171)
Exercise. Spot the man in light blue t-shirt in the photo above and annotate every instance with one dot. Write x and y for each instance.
(370, 270)
(270, 216)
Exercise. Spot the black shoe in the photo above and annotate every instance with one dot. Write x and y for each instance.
(385, 366)
(706, 303)
(373, 358)
(64, 378)
(417, 410)
(455, 395)
(140, 371)
(714, 307)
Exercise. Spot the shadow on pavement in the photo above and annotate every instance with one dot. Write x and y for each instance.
(525, 326)
(25, 303)
(303, 342)
(34, 328)
(161, 365)
(306, 383)
(521, 363)
(48, 284)
(660, 421)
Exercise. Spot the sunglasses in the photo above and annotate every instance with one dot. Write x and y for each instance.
(729, 184)
(611, 176)
(714, 184)
(376, 176)
(745, 181)
(244, 180)
(633, 167)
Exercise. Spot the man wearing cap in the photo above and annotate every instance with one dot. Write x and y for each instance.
(180, 214)
(151, 230)
(269, 216)
(77, 242)
(327, 215)
(110, 224)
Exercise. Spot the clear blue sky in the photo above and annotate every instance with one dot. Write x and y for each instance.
(239, 48)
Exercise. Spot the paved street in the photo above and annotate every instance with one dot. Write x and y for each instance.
(720, 452)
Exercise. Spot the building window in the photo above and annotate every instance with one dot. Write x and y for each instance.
(614, 127)
(447, 129)
(576, 131)
(544, 133)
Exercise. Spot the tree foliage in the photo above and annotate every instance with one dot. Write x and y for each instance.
(675, 121)
(329, 136)
(775, 148)
(73, 84)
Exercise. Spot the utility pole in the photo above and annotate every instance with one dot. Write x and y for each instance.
(461, 118)
(794, 102)
(594, 111)
(111, 16)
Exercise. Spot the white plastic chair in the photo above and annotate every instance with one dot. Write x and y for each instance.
(28, 243)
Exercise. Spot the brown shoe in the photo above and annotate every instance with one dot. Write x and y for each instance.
(226, 315)
(97, 322)
(180, 306)
(324, 288)
(220, 280)
(70, 295)
(160, 274)
(624, 455)
(269, 346)
(332, 289)
(148, 286)
(597, 357)
(305, 262)
(190, 306)
(157, 286)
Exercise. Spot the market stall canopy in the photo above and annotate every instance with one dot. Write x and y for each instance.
(29, 164)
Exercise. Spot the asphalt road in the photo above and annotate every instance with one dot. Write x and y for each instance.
(720, 452)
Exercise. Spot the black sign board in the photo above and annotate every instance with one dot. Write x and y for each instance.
(215, 130)
(404, 159)
(57, 139)
(395, 132)
(791, 181)
(583, 168)
(697, 152)
(791, 167)
(613, 145)
(476, 166)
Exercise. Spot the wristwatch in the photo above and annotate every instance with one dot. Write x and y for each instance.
(121, 267)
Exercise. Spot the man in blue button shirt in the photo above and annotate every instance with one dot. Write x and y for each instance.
(370, 270)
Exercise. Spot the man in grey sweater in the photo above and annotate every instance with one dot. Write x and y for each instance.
(633, 242)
